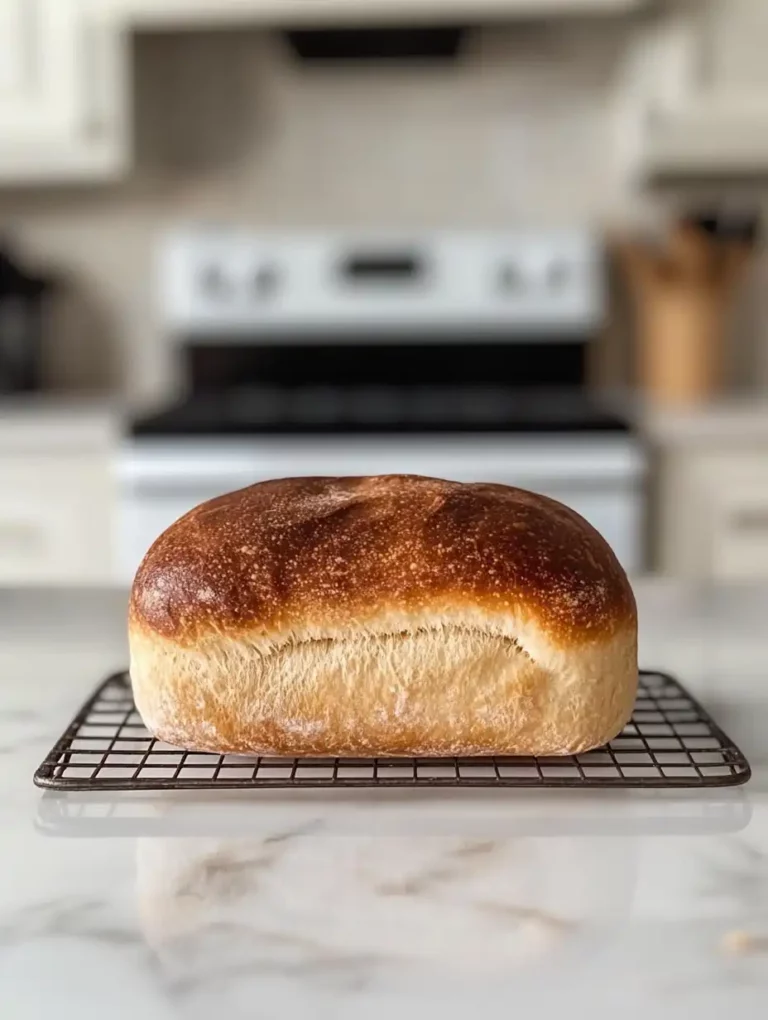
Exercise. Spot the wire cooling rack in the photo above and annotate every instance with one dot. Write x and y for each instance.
(671, 741)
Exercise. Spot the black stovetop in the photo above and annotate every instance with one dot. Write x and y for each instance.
(304, 410)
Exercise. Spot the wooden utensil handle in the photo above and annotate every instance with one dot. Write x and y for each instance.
(680, 346)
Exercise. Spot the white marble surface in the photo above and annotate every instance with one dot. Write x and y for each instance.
(370, 905)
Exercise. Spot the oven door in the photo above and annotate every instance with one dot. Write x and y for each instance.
(599, 477)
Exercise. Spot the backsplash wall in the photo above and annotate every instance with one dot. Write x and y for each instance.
(529, 128)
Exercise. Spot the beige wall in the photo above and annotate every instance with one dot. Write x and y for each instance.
(527, 129)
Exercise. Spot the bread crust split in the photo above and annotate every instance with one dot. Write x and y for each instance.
(390, 615)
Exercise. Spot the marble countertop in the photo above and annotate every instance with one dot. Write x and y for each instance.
(366, 905)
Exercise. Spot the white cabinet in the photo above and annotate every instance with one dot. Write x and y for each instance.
(57, 503)
(720, 516)
(55, 522)
(38, 69)
(716, 116)
(740, 527)
(63, 88)
(65, 81)
(712, 495)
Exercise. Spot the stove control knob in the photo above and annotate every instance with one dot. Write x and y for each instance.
(265, 281)
(558, 275)
(510, 279)
(213, 282)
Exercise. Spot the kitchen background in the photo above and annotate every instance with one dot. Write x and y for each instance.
(641, 125)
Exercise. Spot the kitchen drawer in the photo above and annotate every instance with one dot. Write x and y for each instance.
(739, 535)
(55, 519)
(714, 513)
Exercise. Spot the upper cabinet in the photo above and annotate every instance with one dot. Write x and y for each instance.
(708, 111)
(65, 78)
(62, 92)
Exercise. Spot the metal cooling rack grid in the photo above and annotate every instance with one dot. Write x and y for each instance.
(671, 741)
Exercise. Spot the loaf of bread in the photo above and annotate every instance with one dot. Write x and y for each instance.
(391, 615)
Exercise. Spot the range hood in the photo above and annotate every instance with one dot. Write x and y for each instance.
(322, 13)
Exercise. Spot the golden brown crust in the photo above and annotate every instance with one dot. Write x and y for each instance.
(282, 556)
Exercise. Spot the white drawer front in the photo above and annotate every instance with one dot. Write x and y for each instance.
(54, 522)
(740, 533)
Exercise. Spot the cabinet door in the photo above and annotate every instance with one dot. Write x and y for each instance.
(38, 69)
(55, 520)
(714, 515)
(12, 63)
(740, 532)
(735, 38)
(717, 121)
(64, 83)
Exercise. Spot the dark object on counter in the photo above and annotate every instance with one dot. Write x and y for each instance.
(22, 304)
(703, 755)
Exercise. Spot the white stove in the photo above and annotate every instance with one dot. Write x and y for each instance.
(453, 354)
